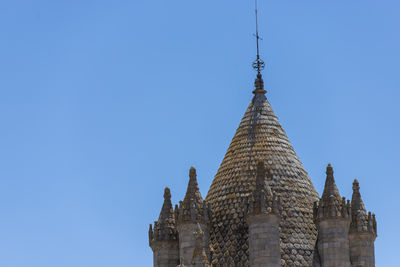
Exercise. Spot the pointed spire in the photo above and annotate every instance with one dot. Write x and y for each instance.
(165, 228)
(361, 221)
(193, 192)
(357, 205)
(331, 205)
(330, 188)
(193, 208)
(167, 212)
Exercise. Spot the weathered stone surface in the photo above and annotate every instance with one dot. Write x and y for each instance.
(189, 244)
(262, 209)
(263, 220)
(260, 137)
(362, 249)
(332, 216)
(193, 208)
(163, 239)
(165, 253)
(264, 241)
(193, 219)
(363, 231)
(333, 242)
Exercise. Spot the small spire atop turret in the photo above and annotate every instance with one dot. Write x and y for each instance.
(361, 220)
(193, 192)
(193, 208)
(357, 205)
(165, 227)
(332, 218)
(167, 212)
(331, 204)
(362, 232)
(330, 188)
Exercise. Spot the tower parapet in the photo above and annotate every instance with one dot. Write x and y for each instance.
(363, 231)
(193, 216)
(263, 220)
(163, 237)
(332, 217)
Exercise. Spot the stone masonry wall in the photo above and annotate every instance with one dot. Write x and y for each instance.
(362, 250)
(333, 243)
(264, 240)
(166, 254)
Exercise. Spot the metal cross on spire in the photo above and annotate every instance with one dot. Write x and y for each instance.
(258, 64)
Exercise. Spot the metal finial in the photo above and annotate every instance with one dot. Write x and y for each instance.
(258, 64)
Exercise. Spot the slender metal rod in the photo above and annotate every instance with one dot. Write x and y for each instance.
(257, 36)
(258, 64)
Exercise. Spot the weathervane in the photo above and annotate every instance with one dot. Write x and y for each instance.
(258, 64)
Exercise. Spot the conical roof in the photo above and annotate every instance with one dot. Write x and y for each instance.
(193, 195)
(167, 212)
(331, 205)
(360, 218)
(165, 226)
(260, 137)
(330, 188)
(357, 205)
(193, 208)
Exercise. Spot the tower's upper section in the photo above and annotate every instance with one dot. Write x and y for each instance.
(331, 205)
(361, 220)
(165, 226)
(260, 137)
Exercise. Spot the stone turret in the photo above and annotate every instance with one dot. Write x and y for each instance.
(332, 217)
(363, 231)
(263, 220)
(193, 217)
(163, 238)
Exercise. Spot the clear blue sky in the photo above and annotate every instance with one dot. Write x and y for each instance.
(104, 103)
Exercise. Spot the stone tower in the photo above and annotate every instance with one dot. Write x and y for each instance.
(262, 209)
(332, 217)
(163, 238)
(362, 231)
(193, 223)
